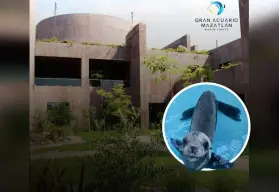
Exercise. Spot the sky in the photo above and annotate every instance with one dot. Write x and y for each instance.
(166, 20)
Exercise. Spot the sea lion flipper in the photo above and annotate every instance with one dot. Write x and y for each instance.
(187, 114)
(218, 162)
(177, 144)
(229, 110)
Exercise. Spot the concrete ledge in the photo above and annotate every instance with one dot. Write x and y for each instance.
(184, 41)
(76, 50)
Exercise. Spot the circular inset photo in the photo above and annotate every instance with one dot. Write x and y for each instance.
(206, 126)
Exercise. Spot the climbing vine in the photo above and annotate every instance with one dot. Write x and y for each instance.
(162, 67)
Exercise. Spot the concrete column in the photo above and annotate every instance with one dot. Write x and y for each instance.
(136, 41)
(188, 43)
(85, 96)
(32, 66)
(244, 27)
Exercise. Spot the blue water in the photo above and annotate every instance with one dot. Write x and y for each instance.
(230, 135)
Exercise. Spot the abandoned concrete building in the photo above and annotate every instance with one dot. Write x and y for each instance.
(62, 70)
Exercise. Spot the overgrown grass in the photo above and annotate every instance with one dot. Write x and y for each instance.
(63, 148)
(54, 40)
(182, 50)
(91, 140)
(95, 135)
(246, 151)
(180, 174)
(99, 44)
(264, 163)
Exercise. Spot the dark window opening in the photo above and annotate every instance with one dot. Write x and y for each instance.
(57, 71)
(156, 111)
(223, 65)
(108, 73)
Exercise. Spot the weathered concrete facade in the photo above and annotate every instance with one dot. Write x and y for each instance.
(184, 41)
(233, 77)
(84, 28)
(142, 87)
(230, 52)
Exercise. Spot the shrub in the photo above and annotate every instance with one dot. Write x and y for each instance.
(58, 122)
(224, 183)
(60, 115)
(118, 108)
(119, 163)
(39, 122)
(95, 123)
(181, 184)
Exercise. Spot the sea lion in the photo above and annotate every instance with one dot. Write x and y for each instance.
(196, 146)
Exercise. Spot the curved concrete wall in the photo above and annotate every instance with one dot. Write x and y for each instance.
(84, 28)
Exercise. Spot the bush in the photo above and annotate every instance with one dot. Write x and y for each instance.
(60, 115)
(117, 109)
(58, 122)
(95, 123)
(121, 163)
(224, 183)
(39, 122)
(182, 184)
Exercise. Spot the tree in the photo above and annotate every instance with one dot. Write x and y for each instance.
(118, 106)
(161, 68)
(195, 72)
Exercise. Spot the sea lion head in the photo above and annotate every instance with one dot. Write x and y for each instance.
(195, 149)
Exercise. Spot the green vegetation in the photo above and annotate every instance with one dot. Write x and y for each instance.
(117, 110)
(99, 44)
(265, 163)
(120, 162)
(176, 178)
(162, 67)
(183, 50)
(57, 121)
(93, 138)
(227, 66)
(68, 42)
(63, 148)
(195, 72)
(54, 40)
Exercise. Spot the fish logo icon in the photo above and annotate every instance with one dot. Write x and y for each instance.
(216, 7)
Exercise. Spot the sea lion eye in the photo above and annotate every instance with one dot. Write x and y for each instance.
(206, 145)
